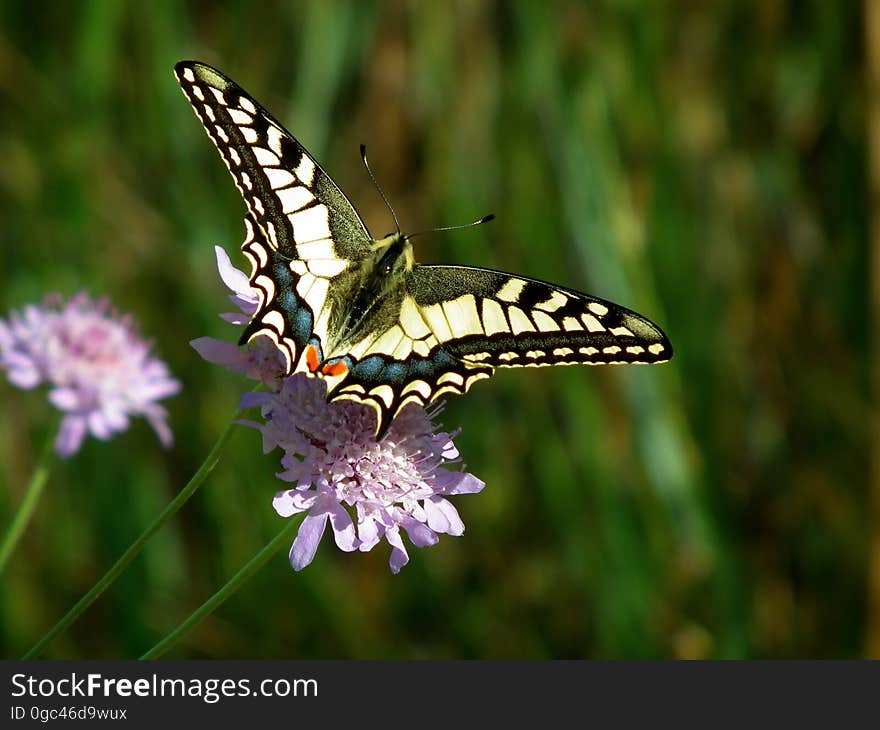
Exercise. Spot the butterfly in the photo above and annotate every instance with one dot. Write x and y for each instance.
(359, 312)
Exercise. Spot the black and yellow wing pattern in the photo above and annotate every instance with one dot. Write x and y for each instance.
(359, 312)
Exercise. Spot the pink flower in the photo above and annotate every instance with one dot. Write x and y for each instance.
(100, 371)
(366, 490)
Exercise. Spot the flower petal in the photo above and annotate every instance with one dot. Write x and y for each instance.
(235, 280)
(343, 527)
(219, 352)
(369, 534)
(443, 517)
(254, 400)
(399, 556)
(65, 399)
(98, 425)
(304, 547)
(293, 501)
(24, 375)
(237, 318)
(70, 436)
(248, 304)
(460, 482)
(160, 426)
(420, 534)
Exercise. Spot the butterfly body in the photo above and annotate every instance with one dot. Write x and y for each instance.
(368, 297)
(358, 312)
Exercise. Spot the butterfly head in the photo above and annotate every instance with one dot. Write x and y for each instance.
(392, 256)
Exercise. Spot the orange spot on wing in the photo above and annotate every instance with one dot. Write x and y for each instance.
(312, 358)
(337, 368)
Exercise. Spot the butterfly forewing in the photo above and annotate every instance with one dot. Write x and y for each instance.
(301, 230)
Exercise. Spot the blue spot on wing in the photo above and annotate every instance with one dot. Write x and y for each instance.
(302, 323)
(299, 317)
(376, 369)
(370, 368)
(281, 272)
(396, 372)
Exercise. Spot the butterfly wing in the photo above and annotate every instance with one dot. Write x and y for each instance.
(302, 231)
(497, 319)
(453, 325)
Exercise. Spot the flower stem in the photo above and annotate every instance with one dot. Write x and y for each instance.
(26, 509)
(198, 478)
(252, 566)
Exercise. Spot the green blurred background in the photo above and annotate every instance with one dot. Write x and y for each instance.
(702, 163)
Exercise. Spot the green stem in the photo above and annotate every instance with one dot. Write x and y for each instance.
(26, 509)
(252, 566)
(204, 470)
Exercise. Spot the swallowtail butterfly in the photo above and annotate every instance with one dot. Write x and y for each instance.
(359, 312)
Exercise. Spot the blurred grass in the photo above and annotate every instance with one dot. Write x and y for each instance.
(701, 163)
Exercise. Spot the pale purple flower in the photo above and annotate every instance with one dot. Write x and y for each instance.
(99, 369)
(367, 490)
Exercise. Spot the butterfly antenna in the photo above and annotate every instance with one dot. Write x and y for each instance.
(481, 221)
(378, 187)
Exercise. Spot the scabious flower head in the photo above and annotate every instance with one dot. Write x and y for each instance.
(366, 489)
(341, 471)
(99, 369)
